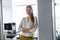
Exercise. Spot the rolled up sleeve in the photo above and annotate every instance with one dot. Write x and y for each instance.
(20, 26)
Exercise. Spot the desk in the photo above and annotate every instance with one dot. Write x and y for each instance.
(16, 38)
(10, 36)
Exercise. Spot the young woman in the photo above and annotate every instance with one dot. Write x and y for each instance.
(28, 25)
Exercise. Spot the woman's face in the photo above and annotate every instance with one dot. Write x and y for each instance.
(29, 11)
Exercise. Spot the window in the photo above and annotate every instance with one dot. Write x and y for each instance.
(57, 17)
(57, 14)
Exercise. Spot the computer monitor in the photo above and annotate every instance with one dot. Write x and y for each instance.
(7, 26)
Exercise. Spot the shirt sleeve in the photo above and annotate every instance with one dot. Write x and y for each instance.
(35, 24)
(20, 26)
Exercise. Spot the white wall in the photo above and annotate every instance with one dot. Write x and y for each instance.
(7, 11)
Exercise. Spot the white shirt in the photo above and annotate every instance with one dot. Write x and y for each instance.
(27, 24)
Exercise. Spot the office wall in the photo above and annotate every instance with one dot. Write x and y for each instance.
(45, 19)
(7, 11)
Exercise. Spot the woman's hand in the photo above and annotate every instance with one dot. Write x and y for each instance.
(25, 30)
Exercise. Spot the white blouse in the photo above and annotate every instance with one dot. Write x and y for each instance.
(27, 24)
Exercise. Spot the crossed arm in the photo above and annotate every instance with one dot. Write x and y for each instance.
(28, 29)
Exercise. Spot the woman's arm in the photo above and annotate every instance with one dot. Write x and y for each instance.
(33, 27)
(29, 30)
(20, 26)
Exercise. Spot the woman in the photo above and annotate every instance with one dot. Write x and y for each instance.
(28, 25)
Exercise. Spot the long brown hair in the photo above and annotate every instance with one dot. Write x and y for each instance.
(32, 16)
